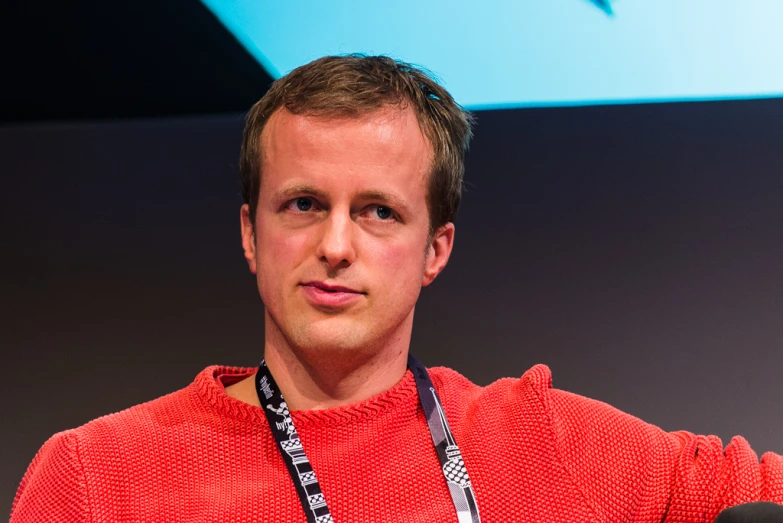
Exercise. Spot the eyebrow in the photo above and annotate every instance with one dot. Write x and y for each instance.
(391, 200)
(286, 193)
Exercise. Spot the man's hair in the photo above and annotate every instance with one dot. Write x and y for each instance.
(356, 84)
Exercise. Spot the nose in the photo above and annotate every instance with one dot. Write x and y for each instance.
(336, 246)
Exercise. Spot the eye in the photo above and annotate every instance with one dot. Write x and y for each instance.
(383, 212)
(301, 204)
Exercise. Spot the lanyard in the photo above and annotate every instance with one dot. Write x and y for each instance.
(303, 476)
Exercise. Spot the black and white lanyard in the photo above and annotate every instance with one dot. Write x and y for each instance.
(303, 476)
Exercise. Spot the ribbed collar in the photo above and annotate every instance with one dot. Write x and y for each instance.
(402, 397)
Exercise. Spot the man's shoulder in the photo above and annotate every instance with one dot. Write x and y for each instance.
(533, 392)
(125, 448)
(536, 381)
(166, 413)
(505, 401)
(139, 417)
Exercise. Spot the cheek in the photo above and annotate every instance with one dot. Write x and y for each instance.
(399, 264)
(279, 255)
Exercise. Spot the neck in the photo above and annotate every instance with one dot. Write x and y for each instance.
(316, 383)
(313, 379)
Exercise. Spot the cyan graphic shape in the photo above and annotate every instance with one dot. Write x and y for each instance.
(603, 5)
(535, 53)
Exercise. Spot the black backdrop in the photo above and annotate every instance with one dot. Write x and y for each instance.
(634, 249)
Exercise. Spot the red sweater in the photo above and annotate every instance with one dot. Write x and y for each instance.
(534, 453)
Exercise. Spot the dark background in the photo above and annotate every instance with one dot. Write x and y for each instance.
(635, 249)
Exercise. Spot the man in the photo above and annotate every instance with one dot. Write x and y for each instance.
(352, 170)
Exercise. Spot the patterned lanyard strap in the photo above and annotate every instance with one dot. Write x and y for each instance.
(303, 476)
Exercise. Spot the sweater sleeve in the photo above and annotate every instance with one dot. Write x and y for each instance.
(709, 478)
(53, 488)
(629, 470)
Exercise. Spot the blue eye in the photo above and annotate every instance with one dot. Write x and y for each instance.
(384, 213)
(303, 204)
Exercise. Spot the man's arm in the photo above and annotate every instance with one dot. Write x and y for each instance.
(631, 470)
(54, 486)
(710, 478)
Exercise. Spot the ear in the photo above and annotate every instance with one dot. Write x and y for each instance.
(438, 253)
(248, 237)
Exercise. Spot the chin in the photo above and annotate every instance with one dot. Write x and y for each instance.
(331, 335)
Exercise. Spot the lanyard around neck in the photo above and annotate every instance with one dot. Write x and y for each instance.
(303, 476)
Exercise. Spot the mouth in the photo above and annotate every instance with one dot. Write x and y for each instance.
(330, 298)
(330, 288)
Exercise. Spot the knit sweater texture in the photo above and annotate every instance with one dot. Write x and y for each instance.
(534, 453)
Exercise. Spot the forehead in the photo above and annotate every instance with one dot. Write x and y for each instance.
(386, 145)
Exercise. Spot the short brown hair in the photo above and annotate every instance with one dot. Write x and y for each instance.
(351, 85)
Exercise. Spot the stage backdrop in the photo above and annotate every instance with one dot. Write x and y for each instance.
(635, 249)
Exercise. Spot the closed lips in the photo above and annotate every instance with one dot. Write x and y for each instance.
(331, 288)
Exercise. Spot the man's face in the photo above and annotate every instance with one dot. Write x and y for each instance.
(342, 204)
